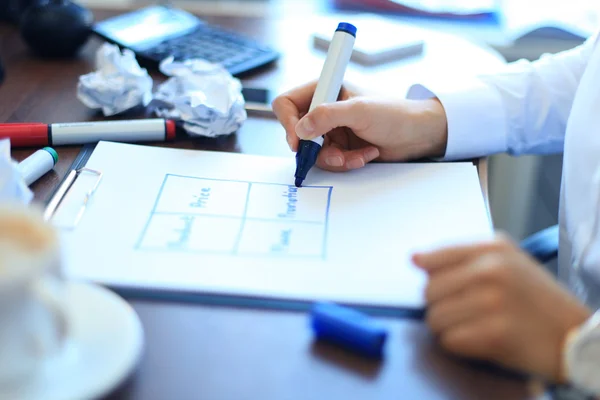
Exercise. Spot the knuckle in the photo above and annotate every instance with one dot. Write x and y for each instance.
(277, 101)
(503, 242)
(276, 104)
(493, 300)
(492, 268)
(321, 113)
(359, 107)
(359, 103)
(450, 342)
(495, 245)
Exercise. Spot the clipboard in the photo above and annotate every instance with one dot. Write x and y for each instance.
(78, 170)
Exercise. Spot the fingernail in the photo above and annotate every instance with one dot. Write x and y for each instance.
(356, 163)
(305, 128)
(335, 161)
(372, 154)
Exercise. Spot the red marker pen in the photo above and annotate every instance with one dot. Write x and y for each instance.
(137, 130)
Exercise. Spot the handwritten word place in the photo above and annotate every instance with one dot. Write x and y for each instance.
(282, 239)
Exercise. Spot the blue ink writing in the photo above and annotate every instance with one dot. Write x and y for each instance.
(291, 194)
(201, 199)
(184, 233)
(284, 241)
(268, 220)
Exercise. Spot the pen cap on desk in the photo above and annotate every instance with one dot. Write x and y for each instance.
(348, 328)
(38, 164)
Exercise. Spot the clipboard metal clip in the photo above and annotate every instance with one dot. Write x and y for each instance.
(64, 189)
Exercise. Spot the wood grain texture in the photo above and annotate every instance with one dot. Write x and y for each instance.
(205, 352)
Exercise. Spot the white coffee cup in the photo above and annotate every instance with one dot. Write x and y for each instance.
(33, 320)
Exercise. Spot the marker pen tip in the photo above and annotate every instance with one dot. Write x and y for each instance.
(299, 182)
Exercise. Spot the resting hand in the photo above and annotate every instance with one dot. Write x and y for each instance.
(492, 302)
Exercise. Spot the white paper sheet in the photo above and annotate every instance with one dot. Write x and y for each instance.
(218, 222)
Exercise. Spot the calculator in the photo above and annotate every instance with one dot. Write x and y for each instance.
(158, 32)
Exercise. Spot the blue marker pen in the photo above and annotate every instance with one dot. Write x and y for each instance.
(327, 91)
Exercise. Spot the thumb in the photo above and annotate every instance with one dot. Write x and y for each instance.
(326, 117)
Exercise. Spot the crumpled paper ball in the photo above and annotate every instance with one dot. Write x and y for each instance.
(119, 83)
(12, 186)
(204, 96)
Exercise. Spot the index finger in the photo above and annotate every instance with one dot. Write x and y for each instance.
(288, 106)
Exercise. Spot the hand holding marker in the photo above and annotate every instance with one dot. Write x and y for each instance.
(327, 91)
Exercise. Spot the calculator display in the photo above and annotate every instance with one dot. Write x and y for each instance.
(147, 27)
(156, 33)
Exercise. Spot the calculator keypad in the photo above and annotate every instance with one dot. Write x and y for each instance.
(234, 52)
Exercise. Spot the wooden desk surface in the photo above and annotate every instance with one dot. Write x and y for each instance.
(198, 351)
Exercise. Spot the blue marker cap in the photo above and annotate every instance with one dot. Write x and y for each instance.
(346, 27)
(348, 328)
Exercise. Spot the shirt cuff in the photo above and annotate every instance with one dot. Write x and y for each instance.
(475, 114)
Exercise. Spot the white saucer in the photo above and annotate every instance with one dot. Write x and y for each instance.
(104, 345)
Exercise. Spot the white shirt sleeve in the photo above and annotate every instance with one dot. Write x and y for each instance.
(524, 108)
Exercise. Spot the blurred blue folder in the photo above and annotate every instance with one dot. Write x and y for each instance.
(453, 9)
(572, 20)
